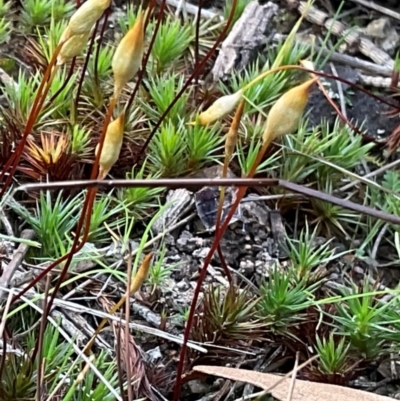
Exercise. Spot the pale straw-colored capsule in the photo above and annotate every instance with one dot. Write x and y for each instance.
(85, 17)
(111, 146)
(220, 108)
(233, 133)
(286, 113)
(128, 55)
(73, 47)
(141, 275)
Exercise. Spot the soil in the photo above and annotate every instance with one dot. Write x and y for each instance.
(367, 113)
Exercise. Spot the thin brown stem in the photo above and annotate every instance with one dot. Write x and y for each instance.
(230, 144)
(127, 355)
(85, 217)
(206, 262)
(224, 265)
(37, 103)
(39, 343)
(197, 40)
(62, 87)
(82, 76)
(119, 364)
(133, 287)
(188, 82)
(147, 56)
(99, 42)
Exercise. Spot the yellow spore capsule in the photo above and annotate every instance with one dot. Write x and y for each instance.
(285, 114)
(85, 17)
(73, 47)
(220, 108)
(128, 55)
(111, 146)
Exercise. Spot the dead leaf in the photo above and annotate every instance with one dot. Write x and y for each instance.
(303, 390)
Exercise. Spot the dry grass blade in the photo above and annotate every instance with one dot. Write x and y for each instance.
(11, 268)
(230, 145)
(135, 285)
(203, 182)
(137, 368)
(303, 390)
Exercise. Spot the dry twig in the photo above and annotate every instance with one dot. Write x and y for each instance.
(383, 10)
(16, 261)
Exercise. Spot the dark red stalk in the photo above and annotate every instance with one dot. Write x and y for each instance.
(99, 42)
(70, 72)
(395, 80)
(147, 56)
(203, 271)
(119, 365)
(82, 77)
(76, 247)
(84, 69)
(87, 209)
(188, 82)
(228, 153)
(150, 10)
(86, 214)
(37, 104)
(38, 350)
(197, 39)
(224, 265)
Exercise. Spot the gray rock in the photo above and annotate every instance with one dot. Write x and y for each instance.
(198, 387)
(178, 201)
(246, 267)
(182, 285)
(201, 253)
(154, 355)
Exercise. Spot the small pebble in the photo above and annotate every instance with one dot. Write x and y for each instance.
(201, 253)
(182, 285)
(154, 355)
(246, 266)
(198, 387)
